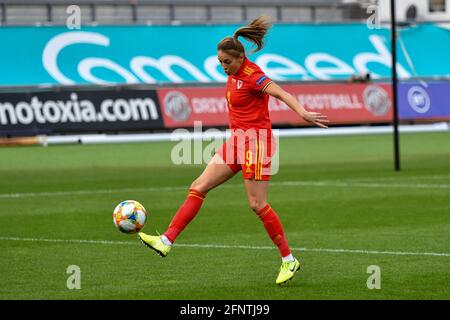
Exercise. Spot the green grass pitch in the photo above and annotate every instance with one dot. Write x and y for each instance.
(344, 209)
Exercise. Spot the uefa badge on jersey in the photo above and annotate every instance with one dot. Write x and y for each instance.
(261, 80)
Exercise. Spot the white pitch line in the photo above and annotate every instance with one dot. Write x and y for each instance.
(86, 192)
(222, 246)
(337, 183)
(401, 178)
(344, 184)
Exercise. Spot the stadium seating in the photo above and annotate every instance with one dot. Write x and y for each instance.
(26, 14)
(120, 12)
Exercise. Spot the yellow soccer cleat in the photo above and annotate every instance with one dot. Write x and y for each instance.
(287, 271)
(155, 243)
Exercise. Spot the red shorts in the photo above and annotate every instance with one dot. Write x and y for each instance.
(250, 151)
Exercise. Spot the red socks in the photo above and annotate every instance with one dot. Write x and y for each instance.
(192, 205)
(274, 229)
(185, 214)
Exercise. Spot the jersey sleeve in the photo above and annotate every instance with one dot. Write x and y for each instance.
(260, 81)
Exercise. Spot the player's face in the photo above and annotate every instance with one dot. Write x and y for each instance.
(229, 63)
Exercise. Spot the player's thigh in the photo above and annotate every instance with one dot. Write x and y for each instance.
(215, 173)
(256, 193)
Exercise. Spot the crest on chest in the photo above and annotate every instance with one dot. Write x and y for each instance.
(238, 83)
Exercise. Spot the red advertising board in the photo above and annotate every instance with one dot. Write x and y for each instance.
(342, 103)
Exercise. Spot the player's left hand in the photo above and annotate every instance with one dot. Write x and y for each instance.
(316, 118)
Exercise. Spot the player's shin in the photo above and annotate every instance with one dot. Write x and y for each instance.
(274, 229)
(185, 214)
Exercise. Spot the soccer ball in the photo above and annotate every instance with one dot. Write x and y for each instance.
(129, 216)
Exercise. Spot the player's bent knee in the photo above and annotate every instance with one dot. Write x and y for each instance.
(200, 186)
(256, 205)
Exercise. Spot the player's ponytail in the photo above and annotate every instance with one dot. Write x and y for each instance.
(254, 32)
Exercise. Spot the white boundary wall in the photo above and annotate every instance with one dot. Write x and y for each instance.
(208, 135)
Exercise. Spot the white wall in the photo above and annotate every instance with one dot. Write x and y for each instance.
(422, 14)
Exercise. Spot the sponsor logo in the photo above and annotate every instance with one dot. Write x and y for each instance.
(176, 106)
(376, 100)
(239, 84)
(418, 99)
(328, 101)
(74, 110)
(140, 68)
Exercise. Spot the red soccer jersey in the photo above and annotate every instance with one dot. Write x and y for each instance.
(246, 97)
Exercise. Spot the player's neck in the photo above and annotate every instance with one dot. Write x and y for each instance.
(241, 67)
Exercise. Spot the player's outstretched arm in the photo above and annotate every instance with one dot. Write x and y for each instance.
(313, 117)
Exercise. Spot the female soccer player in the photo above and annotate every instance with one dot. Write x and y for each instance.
(249, 149)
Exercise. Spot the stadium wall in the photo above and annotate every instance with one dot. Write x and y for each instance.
(151, 108)
(150, 78)
(181, 54)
